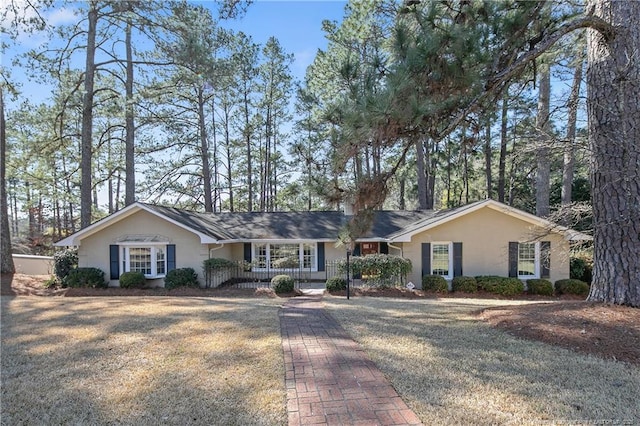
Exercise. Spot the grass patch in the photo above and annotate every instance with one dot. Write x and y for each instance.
(142, 361)
(452, 369)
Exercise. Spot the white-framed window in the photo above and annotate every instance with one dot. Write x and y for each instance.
(285, 255)
(151, 260)
(442, 259)
(528, 260)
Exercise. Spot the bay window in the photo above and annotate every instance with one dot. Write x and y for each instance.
(148, 259)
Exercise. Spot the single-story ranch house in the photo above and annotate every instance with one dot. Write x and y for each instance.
(483, 238)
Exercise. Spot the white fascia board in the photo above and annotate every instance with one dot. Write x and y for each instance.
(568, 233)
(76, 238)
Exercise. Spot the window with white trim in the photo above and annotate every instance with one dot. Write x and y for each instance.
(283, 256)
(148, 259)
(528, 260)
(442, 259)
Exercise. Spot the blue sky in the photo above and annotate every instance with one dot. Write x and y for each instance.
(296, 24)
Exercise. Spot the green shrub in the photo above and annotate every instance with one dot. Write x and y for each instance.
(381, 270)
(580, 269)
(435, 283)
(181, 277)
(282, 284)
(336, 284)
(216, 263)
(572, 286)
(466, 284)
(52, 282)
(540, 286)
(64, 261)
(133, 280)
(84, 277)
(504, 286)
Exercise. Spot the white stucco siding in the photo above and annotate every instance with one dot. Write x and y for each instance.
(485, 235)
(190, 253)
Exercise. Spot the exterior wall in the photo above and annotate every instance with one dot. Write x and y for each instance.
(190, 253)
(485, 235)
(33, 265)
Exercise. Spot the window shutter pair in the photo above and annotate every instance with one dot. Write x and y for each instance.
(457, 259)
(114, 260)
(545, 259)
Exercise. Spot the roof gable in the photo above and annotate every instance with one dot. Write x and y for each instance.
(437, 218)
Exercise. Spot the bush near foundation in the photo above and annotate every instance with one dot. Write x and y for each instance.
(504, 286)
(282, 284)
(84, 277)
(132, 280)
(435, 283)
(572, 286)
(540, 286)
(465, 284)
(336, 284)
(181, 277)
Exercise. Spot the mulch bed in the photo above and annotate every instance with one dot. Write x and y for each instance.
(607, 331)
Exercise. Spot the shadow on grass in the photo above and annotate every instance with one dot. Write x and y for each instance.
(141, 361)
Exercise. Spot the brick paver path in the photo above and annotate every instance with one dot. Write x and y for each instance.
(329, 378)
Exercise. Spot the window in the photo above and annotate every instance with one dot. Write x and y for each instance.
(442, 260)
(274, 256)
(150, 260)
(528, 260)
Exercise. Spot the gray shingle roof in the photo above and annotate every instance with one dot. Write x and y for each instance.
(311, 225)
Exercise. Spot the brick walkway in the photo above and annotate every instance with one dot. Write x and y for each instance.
(329, 378)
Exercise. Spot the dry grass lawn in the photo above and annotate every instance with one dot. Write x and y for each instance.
(142, 361)
(451, 368)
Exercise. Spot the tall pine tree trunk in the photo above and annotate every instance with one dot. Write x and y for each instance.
(87, 121)
(6, 260)
(487, 157)
(569, 144)
(502, 164)
(204, 153)
(543, 142)
(422, 176)
(129, 161)
(613, 106)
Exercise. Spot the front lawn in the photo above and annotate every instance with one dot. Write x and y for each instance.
(142, 361)
(451, 368)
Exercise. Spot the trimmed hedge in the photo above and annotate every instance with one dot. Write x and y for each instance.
(181, 277)
(336, 284)
(132, 280)
(505, 286)
(571, 286)
(382, 270)
(216, 263)
(84, 277)
(435, 283)
(466, 284)
(540, 286)
(282, 284)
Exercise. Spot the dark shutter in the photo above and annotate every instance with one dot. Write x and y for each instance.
(320, 256)
(356, 249)
(114, 262)
(545, 259)
(247, 252)
(384, 248)
(171, 257)
(457, 259)
(426, 259)
(513, 259)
